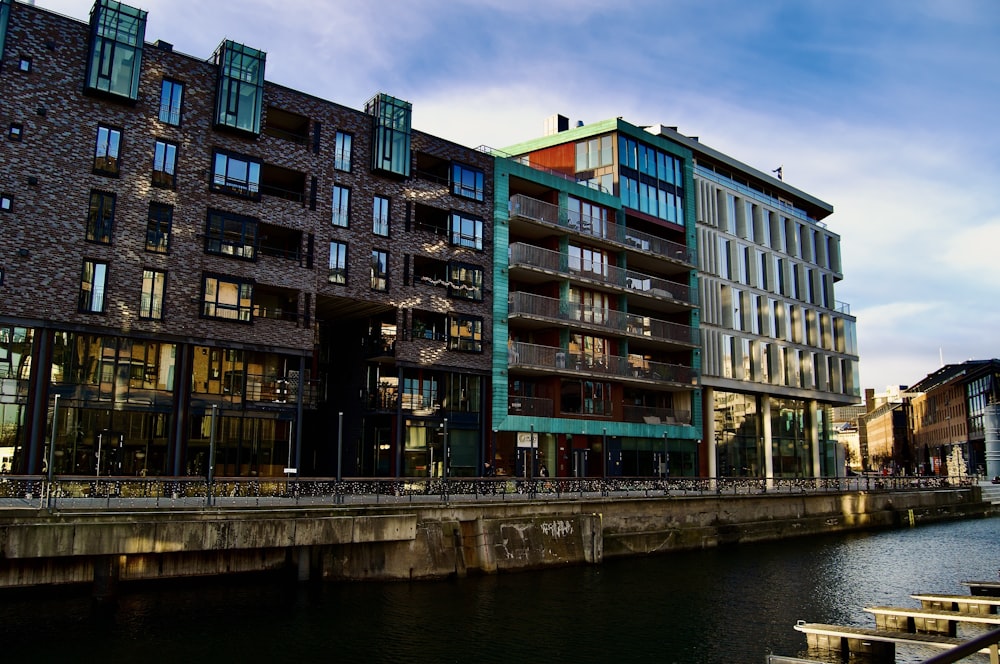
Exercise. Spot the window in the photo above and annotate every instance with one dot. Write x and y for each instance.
(586, 217)
(6, 203)
(391, 134)
(107, 151)
(465, 333)
(466, 231)
(158, 228)
(341, 206)
(467, 182)
(587, 260)
(24, 64)
(164, 164)
(342, 152)
(101, 217)
(227, 298)
(151, 301)
(92, 283)
(16, 131)
(594, 153)
(115, 57)
(338, 263)
(228, 234)
(237, 175)
(465, 281)
(240, 92)
(171, 96)
(380, 216)
(380, 270)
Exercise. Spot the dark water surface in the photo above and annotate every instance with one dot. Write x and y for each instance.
(729, 605)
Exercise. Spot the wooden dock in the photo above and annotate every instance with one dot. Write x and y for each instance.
(983, 588)
(929, 620)
(981, 605)
(934, 624)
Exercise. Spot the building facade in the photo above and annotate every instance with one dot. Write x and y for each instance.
(195, 261)
(597, 299)
(948, 416)
(776, 349)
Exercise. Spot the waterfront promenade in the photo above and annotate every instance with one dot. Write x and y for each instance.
(116, 493)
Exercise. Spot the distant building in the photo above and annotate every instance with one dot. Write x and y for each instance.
(948, 417)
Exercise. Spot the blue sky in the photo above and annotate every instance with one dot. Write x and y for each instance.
(887, 109)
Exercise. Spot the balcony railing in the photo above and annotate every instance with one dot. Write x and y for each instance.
(526, 207)
(649, 415)
(527, 304)
(526, 255)
(548, 358)
(533, 406)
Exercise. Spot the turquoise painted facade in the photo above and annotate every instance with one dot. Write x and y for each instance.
(616, 438)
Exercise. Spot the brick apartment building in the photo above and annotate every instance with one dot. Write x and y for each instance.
(190, 254)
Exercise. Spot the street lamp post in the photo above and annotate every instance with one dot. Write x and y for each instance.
(606, 454)
(666, 457)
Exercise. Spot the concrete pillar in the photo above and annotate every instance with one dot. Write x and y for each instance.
(107, 572)
(708, 394)
(814, 437)
(992, 440)
(765, 415)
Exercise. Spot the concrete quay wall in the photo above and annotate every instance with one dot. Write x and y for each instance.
(433, 540)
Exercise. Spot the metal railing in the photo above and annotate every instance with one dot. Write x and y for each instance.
(520, 354)
(525, 207)
(530, 256)
(528, 304)
(533, 406)
(77, 492)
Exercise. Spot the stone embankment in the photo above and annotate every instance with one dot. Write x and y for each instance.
(426, 541)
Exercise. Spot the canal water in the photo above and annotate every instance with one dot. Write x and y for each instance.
(725, 606)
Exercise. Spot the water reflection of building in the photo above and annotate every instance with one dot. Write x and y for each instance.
(209, 247)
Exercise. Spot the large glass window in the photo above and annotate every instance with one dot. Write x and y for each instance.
(594, 153)
(465, 281)
(380, 270)
(338, 263)
(655, 184)
(101, 217)
(158, 227)
(391, 139)
(465, 333)
(115, 59)
(230, 234)
(92, 284)
(342, 151)
(151, 300)
(380, 216)
(107, 151)
(227, 298)
(4, 17)
(171, 96)
(466, 231)
(164, 164)
(466, 181)
(240, 93)
(236, 174)
(341, 206)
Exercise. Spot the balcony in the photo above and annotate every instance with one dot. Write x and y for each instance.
(529, 306)
(531, 406)
(531, 209)
(650, 415)
(554, 263)
(550, 359)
